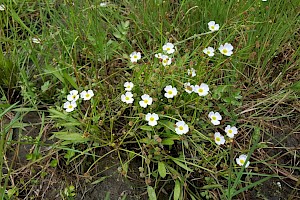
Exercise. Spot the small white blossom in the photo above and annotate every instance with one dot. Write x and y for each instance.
(241, 160)
(169, 48)
(127, 97)
(181, 128)
(135, 56)
(36, 40)
(2, 7)
(103, 4)
(70, 106)
(219, 139)
(146, 101)
(87, 95)
(213, 26)
(191, 72)
(188, 87)
(170, 91)
(226, 49)
(166, 60)
(209, 51)
(152, 119)
(231, 131)
(201, 90)
(73, 96)
(128, 86)
(215, 118)
(158, 55)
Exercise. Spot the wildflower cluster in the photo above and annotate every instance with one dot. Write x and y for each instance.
(170, 91)
(73, 96)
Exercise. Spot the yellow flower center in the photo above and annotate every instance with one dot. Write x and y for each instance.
(87, 95)
(70, 106)
(224, 51)
(170, 92)
(214, 118)
(189, 88)
(168, 49)
(127, 98)
(212, 27)
(145, 101)
(74, 96)
(242, 161)
(152, 119)
(135, 56)
(230, 131)
(218, 139)
(165, 61)
(181, 128)
(128, 86)
(200, 90)
(208, 52)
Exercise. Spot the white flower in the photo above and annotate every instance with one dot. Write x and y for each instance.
(70, 106)
(219, 139)
(128, 86)
(209, 51)
(135, 56)
(146, 100)
(152, 119)
(213, 26)
(169, 48)
(201, 90)
(215, 117)
(181, 128)
(2, 7)
(87, 95)
(166, 60)
(127, 97)
(241, 160)
(188, 87)
(170, 91)
(73, 96)
(103, 4)
(231, 131)
(191, 72)
(226, 49)
(158, 55)
(36, 40)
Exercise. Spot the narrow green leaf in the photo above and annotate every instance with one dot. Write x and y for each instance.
(151, 193)
(162, 169)
(70, 80)
(99, 180)
(180, 164)
(146, 128)
(75, 137)
(177, 189)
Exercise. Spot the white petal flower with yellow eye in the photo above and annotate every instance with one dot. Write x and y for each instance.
(209, 51)
(127, 97)
(169, 48)
(2, 7)
(152, 119)
(181, 128)
(219, 139)
(215, 118)
(191, 72)
(128, 86)
(213, 26)
(135, 56)
(241, 160)
(70, 106)
(226, 49)
(146, 101)
(231, 131)
(87, 95)
(170, 91)
(201, 90)
(166, 60)
(188, 87)
(73, 96)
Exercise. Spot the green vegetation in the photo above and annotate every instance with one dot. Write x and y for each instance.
(50, 48)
